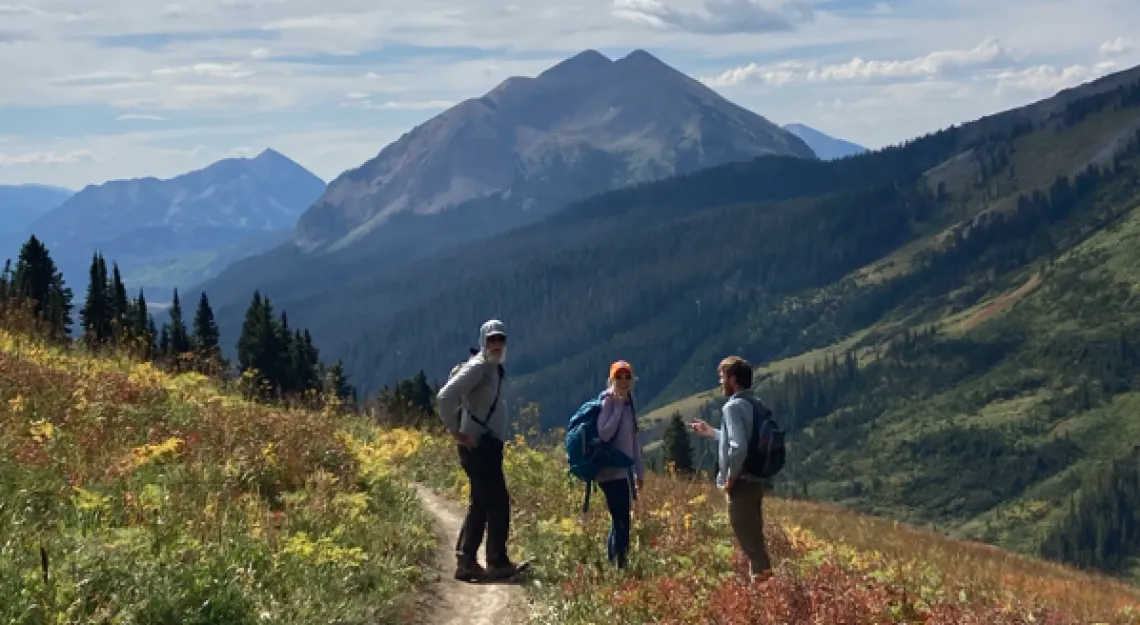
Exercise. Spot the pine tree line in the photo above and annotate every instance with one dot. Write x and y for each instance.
(282, 362)
(1101, 528)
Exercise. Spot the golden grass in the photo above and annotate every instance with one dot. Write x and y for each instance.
(130, 495)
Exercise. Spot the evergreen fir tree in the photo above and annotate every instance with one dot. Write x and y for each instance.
(96, 314)
(6, 283)
(140, 316)
(120, 305)
(421, 393)
(676, 445)
(205, 330)
(337, 385)
(287, 381)
(179, 337)
(164, 346)
(303, 366)
(151, 337)
(37, 280)
(259, 346)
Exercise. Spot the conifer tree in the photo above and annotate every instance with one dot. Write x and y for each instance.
(205, 330)
(676, 445)
(151, 336)
(37, 280)
(179, 337)
(164, 343)
(259, 346)
(139, 316)
(336, 383)
(95, 315)
(303, 363)
(120, 306)
(5, 283)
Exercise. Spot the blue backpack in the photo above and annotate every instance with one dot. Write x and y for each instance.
(587, 454)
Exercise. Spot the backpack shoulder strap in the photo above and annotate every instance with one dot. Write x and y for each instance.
(494, 403)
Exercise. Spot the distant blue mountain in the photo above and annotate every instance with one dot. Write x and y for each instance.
(180, 231)
(825, 146)
(20, 205)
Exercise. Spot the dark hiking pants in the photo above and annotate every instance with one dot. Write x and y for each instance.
(618, 500)
(746, 515)
(489, 507)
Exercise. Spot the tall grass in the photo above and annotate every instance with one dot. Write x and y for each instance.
(128, 495)
(833, 566)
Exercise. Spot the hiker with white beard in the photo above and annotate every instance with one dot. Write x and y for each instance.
(470, 409)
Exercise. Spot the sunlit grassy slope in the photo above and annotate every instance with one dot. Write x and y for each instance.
(1031, 396)
(834, 566)
(131, 496)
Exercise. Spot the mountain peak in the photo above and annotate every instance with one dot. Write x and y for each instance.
(269, 154)
(641, 57)
(585, 125)
(583, 64)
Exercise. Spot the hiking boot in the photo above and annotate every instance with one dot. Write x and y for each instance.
(503, 571)
(761, 577)
(469, 571)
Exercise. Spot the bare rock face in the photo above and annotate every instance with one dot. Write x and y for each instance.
(530, 145)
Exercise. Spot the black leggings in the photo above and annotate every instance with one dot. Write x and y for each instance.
(618, 500)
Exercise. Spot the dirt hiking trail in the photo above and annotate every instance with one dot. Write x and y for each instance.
(448, 601)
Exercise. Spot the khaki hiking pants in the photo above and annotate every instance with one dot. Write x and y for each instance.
(746, 514)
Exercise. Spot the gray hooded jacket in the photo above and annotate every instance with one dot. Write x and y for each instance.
(473, 388)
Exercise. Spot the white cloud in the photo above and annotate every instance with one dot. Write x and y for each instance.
(44, 158)
(362, 101)
(211, 70)
(988, 53)
(426, 105)
(719, 16)
(137, 116)
(225, 70)
(1047, 80)
(1116, 47)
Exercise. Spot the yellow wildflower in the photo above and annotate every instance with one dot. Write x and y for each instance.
(42, 430)
(269, 455)
(16, 404)
(567, 527)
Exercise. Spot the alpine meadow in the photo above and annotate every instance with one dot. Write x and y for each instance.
(233, 414)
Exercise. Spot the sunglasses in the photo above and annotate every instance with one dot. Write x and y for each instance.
(623, 376)
(496, 338)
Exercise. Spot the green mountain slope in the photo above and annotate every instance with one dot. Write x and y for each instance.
(994, 394)
(984, 299)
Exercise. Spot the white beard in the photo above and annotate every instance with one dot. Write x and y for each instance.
(498, 360)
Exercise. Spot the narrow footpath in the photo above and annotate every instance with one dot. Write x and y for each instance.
(447, 601)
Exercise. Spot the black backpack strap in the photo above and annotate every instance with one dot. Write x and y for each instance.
(586, 499)
(494, 404)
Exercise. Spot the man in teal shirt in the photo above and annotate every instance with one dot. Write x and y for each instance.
(744, 491)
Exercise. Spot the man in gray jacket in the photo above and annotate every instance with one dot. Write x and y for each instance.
(472, 412)
(745, 492)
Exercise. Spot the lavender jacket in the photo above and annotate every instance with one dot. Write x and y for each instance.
(617, 423)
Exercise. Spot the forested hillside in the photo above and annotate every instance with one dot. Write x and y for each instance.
(987, 276)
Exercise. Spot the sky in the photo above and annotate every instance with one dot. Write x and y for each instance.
(93, 91)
